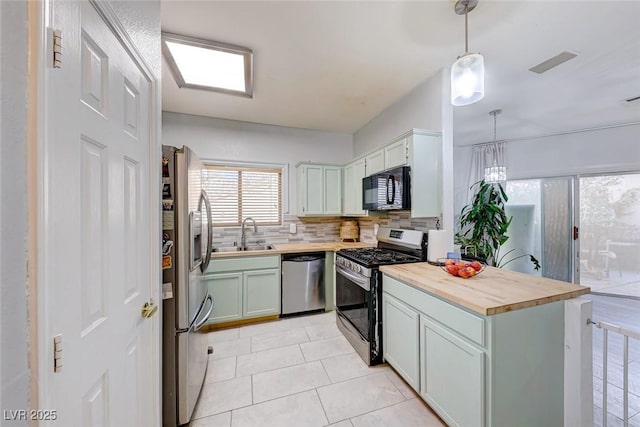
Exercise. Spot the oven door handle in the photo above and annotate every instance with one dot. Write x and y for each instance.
(359, 280)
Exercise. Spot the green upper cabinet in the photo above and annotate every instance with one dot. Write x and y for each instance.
(375, 162)
(396, 154)
(352, 185)
(319, 189)
(424, 150)
(332, 190)
(419, 149)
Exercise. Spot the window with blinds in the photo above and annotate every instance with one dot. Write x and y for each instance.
(240, 192)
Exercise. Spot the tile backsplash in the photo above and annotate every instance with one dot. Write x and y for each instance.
(319, 229)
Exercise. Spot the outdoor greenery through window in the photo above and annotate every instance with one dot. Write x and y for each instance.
(240, 192)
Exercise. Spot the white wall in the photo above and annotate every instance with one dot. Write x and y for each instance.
(141, 19)
(428, 107)
(420, 109)
(598, 151)
(14, 373)
(219, 139)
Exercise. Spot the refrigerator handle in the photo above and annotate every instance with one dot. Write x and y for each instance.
(205, 319)
(205, 264)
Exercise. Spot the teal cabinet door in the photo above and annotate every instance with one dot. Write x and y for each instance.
(452, 376)
(352, 188)
(375, 162)
(425, 159)
(400, 337)
(261, 290)
(396, 154)
(332, 190)
(226, 290)
(313, 190)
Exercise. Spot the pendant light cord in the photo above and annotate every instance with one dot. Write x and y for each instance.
(495, 119)
(466, 28)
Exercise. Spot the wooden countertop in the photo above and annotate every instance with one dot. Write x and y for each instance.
(491, 292)
(290, 248)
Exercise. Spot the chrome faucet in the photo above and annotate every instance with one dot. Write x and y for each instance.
(243, 236)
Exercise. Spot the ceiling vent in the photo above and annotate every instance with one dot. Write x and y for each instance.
(636, 98)
(553, 62)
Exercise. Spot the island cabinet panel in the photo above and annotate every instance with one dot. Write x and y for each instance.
(400, 330)
(462, 321)
(451, 375)
(495, 370)
(527, 362)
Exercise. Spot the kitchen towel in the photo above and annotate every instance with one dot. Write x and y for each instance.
(437, 245)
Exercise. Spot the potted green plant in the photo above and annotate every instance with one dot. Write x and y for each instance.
(484, 224)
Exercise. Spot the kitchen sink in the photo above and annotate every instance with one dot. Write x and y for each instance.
(227, 249)
(259, 248)
(248, 248)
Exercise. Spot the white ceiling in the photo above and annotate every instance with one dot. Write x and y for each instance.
(333, 65)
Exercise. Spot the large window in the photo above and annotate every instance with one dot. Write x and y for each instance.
(240, 192)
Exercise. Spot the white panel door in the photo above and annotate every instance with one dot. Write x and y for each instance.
(99, 248)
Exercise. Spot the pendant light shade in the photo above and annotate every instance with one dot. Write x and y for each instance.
(467, 79)
(497, 173)
(467, 73)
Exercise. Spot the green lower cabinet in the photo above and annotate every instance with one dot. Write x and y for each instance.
(400, 331)
(261, 293)
(451, 375)
(243, 287)
(226, 290)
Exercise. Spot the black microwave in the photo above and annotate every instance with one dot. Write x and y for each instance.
(388, 190)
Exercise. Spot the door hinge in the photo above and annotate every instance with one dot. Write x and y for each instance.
(57, 353)
(576, 232)
(57, 49)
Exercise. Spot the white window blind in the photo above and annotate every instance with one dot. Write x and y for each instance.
(240, 192)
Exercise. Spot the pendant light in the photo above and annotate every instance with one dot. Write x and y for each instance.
(467, 73)
(495, 173)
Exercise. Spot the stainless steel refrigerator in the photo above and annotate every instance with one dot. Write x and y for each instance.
(186, 252)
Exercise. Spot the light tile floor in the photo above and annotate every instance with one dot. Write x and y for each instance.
(301, 372)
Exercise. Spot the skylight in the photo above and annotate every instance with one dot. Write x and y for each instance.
(203, 64)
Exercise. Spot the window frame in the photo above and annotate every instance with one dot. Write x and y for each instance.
(257, 167)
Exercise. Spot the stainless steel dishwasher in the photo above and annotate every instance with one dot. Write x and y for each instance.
(303, 283)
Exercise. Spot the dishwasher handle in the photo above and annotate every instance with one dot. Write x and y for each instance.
(303, 257)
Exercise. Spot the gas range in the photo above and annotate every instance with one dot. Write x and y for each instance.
(358, 287)
(363, 260)
(395, 246)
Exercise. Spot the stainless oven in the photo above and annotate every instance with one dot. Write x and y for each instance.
(358, 299)
(359, 286)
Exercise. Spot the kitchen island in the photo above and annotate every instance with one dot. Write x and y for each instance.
(485, 351)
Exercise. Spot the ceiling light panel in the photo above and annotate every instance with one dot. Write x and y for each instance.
(208, 65)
